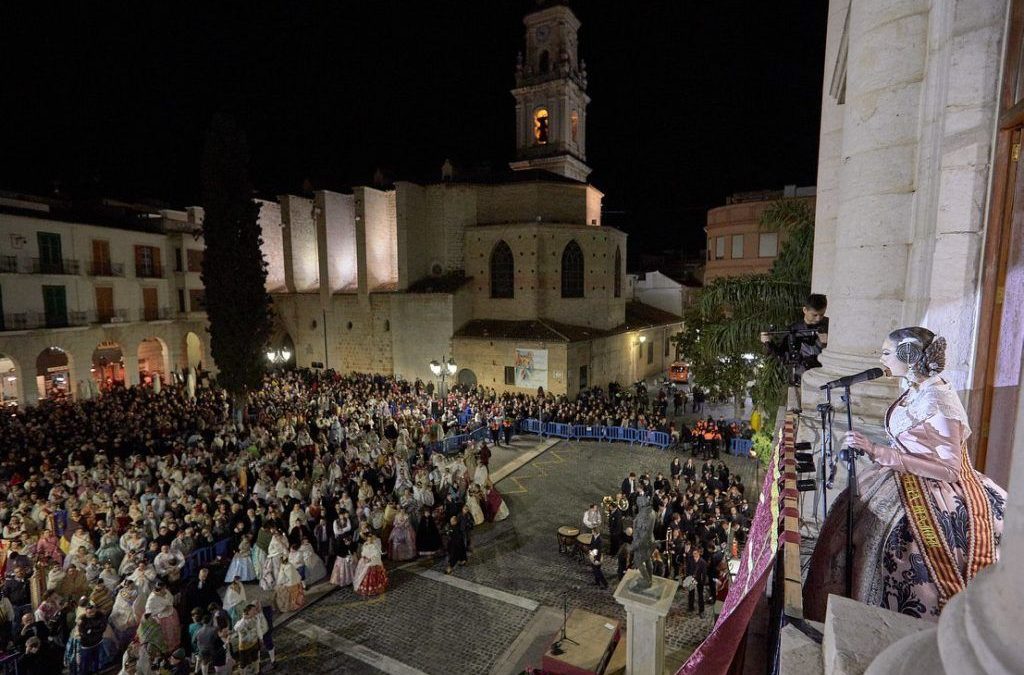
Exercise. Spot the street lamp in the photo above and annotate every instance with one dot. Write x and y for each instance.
(281, 356)
(443, 369)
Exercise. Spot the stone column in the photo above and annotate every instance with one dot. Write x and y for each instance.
(645, 623)
(131, 366)
(875, 197)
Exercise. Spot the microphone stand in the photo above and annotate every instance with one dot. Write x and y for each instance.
(556, 648)
(826, 410)
(851, 487)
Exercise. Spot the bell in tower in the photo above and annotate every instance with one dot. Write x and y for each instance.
(551, 96)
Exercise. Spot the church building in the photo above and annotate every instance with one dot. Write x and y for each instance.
(510, 276)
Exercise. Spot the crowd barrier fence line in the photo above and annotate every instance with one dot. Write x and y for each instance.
(658, 439)
(740, 447)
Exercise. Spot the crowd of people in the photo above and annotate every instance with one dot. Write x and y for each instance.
(103, 501)
(701, 521)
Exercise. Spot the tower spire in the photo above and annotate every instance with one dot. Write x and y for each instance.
(551, 97)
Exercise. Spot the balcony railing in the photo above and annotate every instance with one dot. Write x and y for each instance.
(155, 313)
(150, 271)
(105, 268)
(34, 320)
(60, 266)
(111, 315)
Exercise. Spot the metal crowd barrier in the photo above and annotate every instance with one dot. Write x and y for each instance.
(659, 439)
(201, 557)
(740, 447)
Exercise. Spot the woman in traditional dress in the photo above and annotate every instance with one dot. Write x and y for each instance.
(160, 605)
(241, 566)
(496, 508)
(370, 578)
(345, 564)
(289, 594)
(235, 600)
(314, 564)
(428, 537)
(110, 550)
(402, 543)
(123, 618)
(48, 546)
(925, 522)
(473, 502)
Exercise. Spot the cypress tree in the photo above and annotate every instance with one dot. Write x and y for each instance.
(234, 271)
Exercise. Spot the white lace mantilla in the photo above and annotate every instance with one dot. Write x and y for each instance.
(931, 397)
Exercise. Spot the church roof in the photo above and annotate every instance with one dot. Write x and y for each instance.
(638, 316)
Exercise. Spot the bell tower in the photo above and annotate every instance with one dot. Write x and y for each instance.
(551, 96)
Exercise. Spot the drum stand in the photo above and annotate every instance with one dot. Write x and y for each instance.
(556, 648)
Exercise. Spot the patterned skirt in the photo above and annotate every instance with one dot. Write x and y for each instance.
(344, 571)
(889, 569)
(290, 598)
(375, 582)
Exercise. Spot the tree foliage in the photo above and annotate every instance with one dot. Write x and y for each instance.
(724, 325)
(234, 272)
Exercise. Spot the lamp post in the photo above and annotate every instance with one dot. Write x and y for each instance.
(279, 356)
(443, 369)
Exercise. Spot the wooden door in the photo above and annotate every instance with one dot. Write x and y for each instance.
(104, 304)
(101, 257)
(150, 311)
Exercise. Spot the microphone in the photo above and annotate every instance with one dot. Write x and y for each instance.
(849, 380)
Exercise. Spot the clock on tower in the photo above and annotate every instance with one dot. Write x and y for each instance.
(551, 98)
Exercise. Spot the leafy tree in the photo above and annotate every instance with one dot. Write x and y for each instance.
(731, 312)
(234, 272)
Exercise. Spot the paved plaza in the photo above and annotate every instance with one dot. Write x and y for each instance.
(499, 612)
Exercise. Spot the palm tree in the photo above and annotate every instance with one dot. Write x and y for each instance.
(733, 311)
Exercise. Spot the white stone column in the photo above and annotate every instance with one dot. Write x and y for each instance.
(131, 366)
(876, 188)
(645, 623)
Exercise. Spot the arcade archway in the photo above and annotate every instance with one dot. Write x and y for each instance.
(53, 374)
(10, 375)
(467, 378)
(153, 354)
(107, 367)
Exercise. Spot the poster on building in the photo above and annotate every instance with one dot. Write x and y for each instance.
(531, 368)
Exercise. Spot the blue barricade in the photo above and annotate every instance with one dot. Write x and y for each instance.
(530, 426)
(740, 447)
(479, 434)
(630, 435)
(557, 429)
(658, 438)
(220, 549)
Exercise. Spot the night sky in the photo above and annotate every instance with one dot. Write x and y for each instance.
(691, 100)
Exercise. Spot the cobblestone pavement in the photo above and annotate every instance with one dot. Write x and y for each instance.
(441, 629)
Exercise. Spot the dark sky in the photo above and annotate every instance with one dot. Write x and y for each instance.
(691, 100)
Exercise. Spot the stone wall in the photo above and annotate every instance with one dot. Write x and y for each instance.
(301, 262)
(906, 139)
(272, 230)
(336, 227)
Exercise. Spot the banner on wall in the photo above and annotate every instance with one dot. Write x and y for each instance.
(531, 368)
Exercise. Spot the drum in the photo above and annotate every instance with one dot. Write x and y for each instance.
(566, 535)
(583, 545)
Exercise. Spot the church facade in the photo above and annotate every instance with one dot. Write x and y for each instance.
(512, 276)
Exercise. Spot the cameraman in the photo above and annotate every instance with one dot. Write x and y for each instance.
(803, 342)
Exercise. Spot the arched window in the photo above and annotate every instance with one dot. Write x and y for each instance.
(540, 126)
(544, 65)
(618, 272)
(503, 279)
(572, 271)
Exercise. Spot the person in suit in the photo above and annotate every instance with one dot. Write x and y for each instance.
(614, 529)
(596, 541)
(595, 564)
(200, 592)
(697, 568)
(630, 488)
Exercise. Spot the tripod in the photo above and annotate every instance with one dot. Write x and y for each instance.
(556, 648)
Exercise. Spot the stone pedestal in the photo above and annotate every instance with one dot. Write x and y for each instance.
(645, 622)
